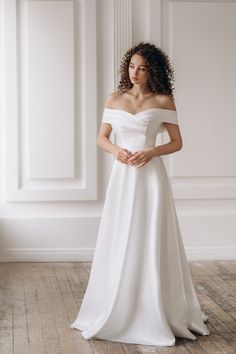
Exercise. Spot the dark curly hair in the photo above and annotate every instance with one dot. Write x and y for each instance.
(160, 71)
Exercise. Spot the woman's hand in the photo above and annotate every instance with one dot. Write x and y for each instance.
(122, 155)
(140, 158)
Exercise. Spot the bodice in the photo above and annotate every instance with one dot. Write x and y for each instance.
(138, 131)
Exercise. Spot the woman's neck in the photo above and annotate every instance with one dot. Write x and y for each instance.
(140, 92)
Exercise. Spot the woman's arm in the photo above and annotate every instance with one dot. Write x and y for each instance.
(175, 144)
(103, 140)
(173, 130)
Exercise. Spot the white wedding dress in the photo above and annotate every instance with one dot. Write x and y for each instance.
(140, 288)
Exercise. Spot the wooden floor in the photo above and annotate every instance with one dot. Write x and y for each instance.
(39, 300)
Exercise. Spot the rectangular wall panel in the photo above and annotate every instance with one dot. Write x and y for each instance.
(199, 36)
(51, 104)
(49, 89)
(203, 48)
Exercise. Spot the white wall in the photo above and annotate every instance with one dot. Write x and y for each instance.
(200, 37)
(53, 176)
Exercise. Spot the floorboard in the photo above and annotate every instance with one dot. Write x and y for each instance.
(38, 301)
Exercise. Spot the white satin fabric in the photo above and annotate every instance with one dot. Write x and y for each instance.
(140, 288)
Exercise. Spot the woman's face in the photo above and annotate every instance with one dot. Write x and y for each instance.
(138, 70)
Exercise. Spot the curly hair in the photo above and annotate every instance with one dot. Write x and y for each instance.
(160, 71)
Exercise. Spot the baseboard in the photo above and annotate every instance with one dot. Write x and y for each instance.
(47, 255)
(211, 253)
(86, 254)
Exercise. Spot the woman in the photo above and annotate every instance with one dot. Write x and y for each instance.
(140, 288)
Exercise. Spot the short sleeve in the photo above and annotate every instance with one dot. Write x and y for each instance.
(168, 116)
(106, 117)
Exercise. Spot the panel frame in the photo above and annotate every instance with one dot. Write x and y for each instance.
(193, 187)
(55, 189)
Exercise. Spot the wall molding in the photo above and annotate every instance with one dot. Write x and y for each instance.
(201, 188)
(190, 186)
(74, 179)
(122, 30)
(86, 254)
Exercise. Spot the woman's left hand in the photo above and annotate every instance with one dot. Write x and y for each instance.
(140, 158)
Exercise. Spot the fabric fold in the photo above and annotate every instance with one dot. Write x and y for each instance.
(140, 288)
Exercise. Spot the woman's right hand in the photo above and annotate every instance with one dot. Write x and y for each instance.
(123, 155)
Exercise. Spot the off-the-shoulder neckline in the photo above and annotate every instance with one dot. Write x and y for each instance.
(136, 114)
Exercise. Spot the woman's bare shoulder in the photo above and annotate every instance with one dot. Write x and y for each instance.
(165, 101)
(112, 99)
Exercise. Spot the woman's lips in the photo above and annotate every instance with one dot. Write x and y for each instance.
(134, 78)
